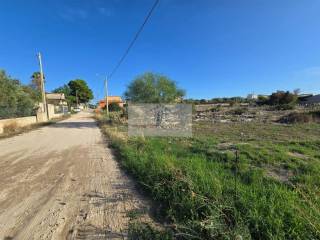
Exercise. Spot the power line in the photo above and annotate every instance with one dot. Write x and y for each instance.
(134, 39)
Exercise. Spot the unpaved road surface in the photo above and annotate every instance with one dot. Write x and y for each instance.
(62, 182)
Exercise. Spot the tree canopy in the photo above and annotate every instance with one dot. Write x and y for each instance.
(282, 98)
(114, 107)
(153, 88)
(76, 88)
(16, 100)
(65, 89)
(36, 81)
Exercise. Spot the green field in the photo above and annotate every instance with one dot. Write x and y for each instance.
(202, 192)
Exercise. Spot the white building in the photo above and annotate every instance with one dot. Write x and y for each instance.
(252, 96)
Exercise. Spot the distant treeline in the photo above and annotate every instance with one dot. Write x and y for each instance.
(230, 100)
(17, 99)
(281, 99)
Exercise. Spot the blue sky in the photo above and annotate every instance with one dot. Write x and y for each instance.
(211, 48)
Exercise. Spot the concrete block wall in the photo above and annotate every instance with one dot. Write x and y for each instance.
(51, 112)
(17, 122)
(25, 121)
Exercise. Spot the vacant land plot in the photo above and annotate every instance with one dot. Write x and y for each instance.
(203, 191)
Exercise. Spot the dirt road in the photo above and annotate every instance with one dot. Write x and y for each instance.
(62, 182)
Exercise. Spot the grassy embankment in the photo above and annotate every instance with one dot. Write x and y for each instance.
(276, 194)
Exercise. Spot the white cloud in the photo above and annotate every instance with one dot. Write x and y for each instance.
(72, 14)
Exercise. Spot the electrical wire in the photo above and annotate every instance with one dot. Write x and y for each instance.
(134, 39)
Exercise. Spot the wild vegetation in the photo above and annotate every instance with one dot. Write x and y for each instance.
(301, 117)
(279, 100)
(236, 180)
(153, 88)
(16, 99)
(202, 192)
(230, 100)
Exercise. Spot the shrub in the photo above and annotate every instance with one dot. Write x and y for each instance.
(112, 118)
(10, 128)
(16, 100)
(115, 117)
(237, 111)
(282, 98)
(139, 231)
(304, 117)
(283, 107)
(114, 107)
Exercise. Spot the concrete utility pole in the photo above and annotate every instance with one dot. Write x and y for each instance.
(43, 93)
(106, 94)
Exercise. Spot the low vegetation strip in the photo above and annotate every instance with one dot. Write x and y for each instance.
(243, 175)
(301, 117)
(275, 195)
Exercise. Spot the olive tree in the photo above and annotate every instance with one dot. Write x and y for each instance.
(153, 88)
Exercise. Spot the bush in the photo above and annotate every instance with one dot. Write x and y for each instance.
(282, 98)
(10, 128)
(114, 107)
(16, 100)
(282, 107)
(139, 231)
(112, 118)
(238, 111)
(304, 117)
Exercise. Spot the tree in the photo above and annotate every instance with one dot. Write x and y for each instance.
(114, 107)
(36, 81)
(34, 88)
(16, 100)
(65, 89)
(153, 88)
(34, 94)
(76, 88)
(296, 91)
(80, 89)
(282, 98)
(262, 100)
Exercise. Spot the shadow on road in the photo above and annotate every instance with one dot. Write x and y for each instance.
(90, 124)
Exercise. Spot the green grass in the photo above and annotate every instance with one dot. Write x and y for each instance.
(192, 180)
(139, 231)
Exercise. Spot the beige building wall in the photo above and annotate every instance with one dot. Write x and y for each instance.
(51, 113)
